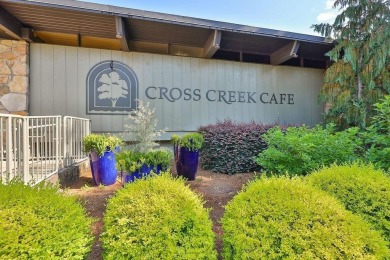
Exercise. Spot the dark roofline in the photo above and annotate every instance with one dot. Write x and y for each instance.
(170, 18)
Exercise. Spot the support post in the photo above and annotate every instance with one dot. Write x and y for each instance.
(212, 45)
(121, 33)
(285, 53)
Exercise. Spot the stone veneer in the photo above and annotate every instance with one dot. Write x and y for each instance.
(14, 77)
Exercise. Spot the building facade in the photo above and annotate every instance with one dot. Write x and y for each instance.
(54, 61)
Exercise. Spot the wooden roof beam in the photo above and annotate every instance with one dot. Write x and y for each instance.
(29, 36)
(121, 33)
(10, 24)
(285, 53)
(212, 45)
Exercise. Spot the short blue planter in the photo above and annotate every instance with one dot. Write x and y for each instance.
(103, 168)
(138, 174)
(156, 169)
(129, 177)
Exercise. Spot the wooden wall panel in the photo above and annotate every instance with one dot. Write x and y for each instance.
(58, 86)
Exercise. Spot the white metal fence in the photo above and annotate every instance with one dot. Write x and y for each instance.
(74, 129)
(35, 147)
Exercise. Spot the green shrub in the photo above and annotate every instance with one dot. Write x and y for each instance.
(100, 143)
(229, 146)
(130, 161)
(282, 218)
(40, 223)
(161, 157)
(377, 136)
(192, 141)
(157, 218)
(301, 150)
(362, 189)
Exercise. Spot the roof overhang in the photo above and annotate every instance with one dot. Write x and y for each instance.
(76, 23)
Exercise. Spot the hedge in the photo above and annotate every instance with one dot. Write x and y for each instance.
(40, 223)
(278, 218)
(300, 150)
(377, 136)
(157, 218)
(362, 189)
(229, 146)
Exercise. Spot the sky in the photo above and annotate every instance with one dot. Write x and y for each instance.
(287, 15)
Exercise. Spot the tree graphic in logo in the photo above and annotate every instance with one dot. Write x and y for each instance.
(112, 87)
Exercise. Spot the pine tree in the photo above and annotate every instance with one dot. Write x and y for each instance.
(360, 72)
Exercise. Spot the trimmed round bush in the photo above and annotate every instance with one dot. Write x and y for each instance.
(361, 188)
(278, 218)
(157, 218)
(40, 223)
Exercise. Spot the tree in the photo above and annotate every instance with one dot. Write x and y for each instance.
(142, 128)
(360, 73)
(112, 87)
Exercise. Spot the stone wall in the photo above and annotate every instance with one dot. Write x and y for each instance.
(68, 176)
(14, 77)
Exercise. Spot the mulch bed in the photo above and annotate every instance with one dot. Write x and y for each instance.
(216, 188)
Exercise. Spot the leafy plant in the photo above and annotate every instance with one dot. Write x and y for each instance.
(362, 189)
(359, 74)
(130, 161)
(283, 218)
(300, 150)
(161, 157)
(377, 136)
(192, 141)
(229, 146)
(41, 223)
(100, 143)
(381, 120)
(142, 128)
(157, 218)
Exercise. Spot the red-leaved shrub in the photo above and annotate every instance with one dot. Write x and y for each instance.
(229, 147)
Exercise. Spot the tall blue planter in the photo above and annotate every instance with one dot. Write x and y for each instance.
(103, 168)
(94, 163)
(186, 162)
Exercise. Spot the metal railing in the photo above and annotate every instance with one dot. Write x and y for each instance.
(74, 129)
(33, 148)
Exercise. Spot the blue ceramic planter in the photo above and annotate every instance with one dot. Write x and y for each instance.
(186, 163)
(103, 168)
(156, 169)
(93, 161)
(129, 177)
(138, 174)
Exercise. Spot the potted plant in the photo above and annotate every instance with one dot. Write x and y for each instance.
(101, 157)
(132, 165)
(135, 165)
(186, 151)
(160, 160)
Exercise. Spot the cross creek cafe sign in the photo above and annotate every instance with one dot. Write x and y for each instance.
(113, 88)
(214, 95)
